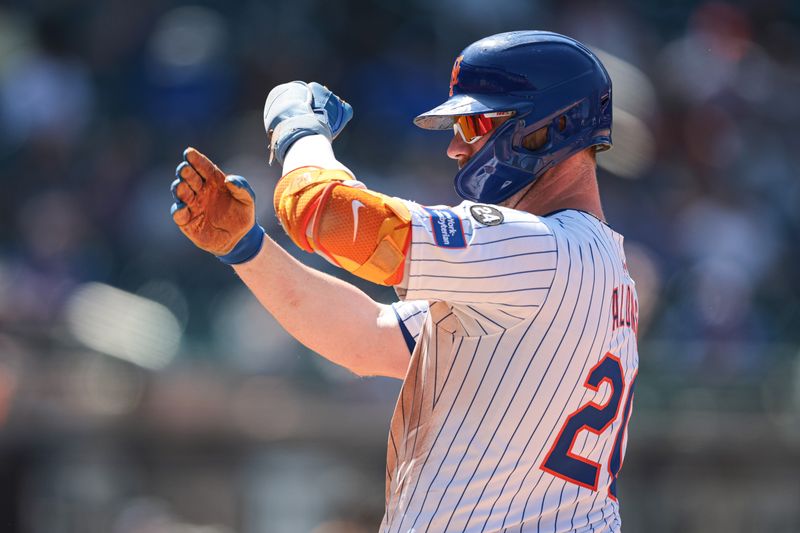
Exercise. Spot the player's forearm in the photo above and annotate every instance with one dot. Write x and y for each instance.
(312, 151)
(325, 210)
(328, 315)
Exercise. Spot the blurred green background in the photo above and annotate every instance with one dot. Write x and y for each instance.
(143, 389)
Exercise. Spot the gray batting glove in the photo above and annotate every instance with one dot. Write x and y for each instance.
(329, 108)
(294, 110)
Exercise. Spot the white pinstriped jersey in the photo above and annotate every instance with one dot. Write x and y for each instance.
(513, 412)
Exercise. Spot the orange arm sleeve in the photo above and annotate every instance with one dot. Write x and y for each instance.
(364, 232)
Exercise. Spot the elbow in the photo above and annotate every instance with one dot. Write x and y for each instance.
(387, 368)
(363, 372)
(377, 364)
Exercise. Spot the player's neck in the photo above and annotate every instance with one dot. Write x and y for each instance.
(571, 184)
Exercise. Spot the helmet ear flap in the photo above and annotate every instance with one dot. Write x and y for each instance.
(540, 139)
(537, 140)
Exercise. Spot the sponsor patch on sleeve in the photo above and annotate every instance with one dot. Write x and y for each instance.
(448, 230)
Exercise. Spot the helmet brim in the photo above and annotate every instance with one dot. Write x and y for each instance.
(441, 116)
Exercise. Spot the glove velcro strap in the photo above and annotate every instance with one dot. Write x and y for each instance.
(291, 129)
(247, 247)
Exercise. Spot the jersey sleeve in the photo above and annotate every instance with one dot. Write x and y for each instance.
(411, 315)
(479, 254)
(467, 254)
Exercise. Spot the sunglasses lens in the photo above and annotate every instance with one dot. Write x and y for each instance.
(464, 126)
(470, 127)
(483, 124)
(473, 127)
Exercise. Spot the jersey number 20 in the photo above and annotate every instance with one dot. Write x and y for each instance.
(561, 461)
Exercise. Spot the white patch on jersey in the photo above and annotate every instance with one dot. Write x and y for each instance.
(487, 215)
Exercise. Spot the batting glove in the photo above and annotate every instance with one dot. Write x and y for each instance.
(296, 109)
(217, 212)
(329, 108)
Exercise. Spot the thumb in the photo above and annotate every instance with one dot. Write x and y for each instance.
(240, 189)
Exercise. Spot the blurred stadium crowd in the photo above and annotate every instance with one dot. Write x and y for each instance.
(143, 390)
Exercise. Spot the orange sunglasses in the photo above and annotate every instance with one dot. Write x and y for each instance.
(473, 127)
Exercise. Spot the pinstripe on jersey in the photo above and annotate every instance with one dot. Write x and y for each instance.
(514, 322)
(411, 315)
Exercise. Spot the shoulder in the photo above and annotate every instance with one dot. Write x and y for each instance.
(495, 215)
(572, 222)
(478, 218)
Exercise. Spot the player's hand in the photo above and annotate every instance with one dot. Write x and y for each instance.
(217, 212)
(329, 108)
(296, 109)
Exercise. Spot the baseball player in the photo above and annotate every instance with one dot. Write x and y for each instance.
(515, 333)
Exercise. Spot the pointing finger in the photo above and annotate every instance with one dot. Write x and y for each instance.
(204, 167)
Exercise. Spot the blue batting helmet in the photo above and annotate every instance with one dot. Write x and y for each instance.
(541, 76)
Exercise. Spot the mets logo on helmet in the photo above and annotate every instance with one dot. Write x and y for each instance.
(456, 71)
